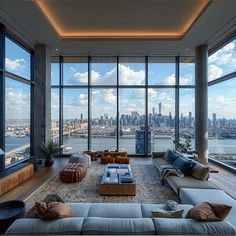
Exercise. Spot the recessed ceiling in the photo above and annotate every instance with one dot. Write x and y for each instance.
(120, 19)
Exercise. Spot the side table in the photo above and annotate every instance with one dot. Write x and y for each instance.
(9, 212)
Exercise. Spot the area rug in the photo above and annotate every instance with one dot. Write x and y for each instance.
(148, 186)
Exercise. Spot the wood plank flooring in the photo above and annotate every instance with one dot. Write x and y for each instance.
(224, 180)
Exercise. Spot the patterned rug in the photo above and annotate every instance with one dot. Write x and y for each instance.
(148, 186)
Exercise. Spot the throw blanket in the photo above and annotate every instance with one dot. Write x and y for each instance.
(170, 171)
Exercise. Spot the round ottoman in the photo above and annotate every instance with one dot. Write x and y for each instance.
(72, 173)
(83, 159)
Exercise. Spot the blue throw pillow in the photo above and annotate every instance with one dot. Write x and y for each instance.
(184, 165)
(171, 156)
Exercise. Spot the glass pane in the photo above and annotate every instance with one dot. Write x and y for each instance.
(103, 71)
(222, 122)
(17, 121)
(55, 71)
(103, 118)
(55, 115)
(187, 113)
(187, 71)
(132, 120)
(222, 62)
(161, 71)
(131, 70)
(75, 71)
(75, 120)
(17, 59)
(161, 118)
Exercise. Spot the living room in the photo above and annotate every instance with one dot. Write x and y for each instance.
(117, 116)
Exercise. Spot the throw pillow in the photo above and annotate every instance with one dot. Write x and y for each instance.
(53, 210)
(49, 198)
(200, 171)
(171, 156)
(184, 165)
(167, 214)
(172, 205)
(206, 211)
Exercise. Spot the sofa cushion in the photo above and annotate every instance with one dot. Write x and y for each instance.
(171, 156)
(192, 227)
(187, 182)
(117, 210)
(148, 208)
(195, 196)
(200, 171)
(101, 226)
(62, 226)
(185, 165)
(206, 211)
(80, 209)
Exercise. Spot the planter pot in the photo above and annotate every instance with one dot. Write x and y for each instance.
(49, 162)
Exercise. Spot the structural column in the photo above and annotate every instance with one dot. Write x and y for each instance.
(42, 97)
(201, 102)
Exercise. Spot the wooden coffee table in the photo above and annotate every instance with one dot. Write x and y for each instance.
(117, 180)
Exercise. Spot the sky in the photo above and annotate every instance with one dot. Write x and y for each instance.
(221, 97)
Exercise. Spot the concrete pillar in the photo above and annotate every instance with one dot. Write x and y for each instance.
(42, 97)
(201, 102)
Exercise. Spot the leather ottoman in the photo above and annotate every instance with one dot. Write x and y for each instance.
(122, 160)
(107, 159)
(72, 173)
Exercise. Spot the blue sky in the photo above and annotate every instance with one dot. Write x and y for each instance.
(221, 100)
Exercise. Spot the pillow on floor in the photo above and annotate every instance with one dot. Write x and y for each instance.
(171, 156)
(185, 165)
(206, 211)
(53, 210)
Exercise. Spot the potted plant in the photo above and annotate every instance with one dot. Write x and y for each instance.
(184, 147)
(35, 161)
(50, 149)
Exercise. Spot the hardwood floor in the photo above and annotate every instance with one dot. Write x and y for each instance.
(26, 188)
(223, 179)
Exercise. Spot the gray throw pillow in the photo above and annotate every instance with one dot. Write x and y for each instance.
(172, 205)
(171, 156)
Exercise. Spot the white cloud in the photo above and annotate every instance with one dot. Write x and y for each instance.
(222, 105)
(14, 65)
(214, 72)
(129, 76)
(17, 104)
(79, 78)
(170, 80)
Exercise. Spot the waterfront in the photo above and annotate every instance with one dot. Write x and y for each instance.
(223, 146)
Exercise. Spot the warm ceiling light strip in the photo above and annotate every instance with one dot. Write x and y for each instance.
(42, 5)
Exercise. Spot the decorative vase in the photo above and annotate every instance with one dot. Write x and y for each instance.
(49, 162)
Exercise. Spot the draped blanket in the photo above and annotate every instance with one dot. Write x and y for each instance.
(165, 172)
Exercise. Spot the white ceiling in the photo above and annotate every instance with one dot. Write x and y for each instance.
(216, 23)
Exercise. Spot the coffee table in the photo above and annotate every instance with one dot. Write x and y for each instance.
(117, 180)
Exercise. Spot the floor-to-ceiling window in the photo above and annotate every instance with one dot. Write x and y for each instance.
(222, 104)
(128, 103)
(17, 102)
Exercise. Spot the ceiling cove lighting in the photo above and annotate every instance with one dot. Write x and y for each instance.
(176, 34)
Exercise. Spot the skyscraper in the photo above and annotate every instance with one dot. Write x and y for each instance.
(214, 119)
(159, 109)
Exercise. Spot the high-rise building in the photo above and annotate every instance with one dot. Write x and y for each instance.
(159, 108)
(214, 119)
(140, 141)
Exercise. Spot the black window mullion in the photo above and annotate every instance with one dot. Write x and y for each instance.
(89, 103)
(2, 97)
(117, 107)
(177, 99)
(60, 101)
(146, 108)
